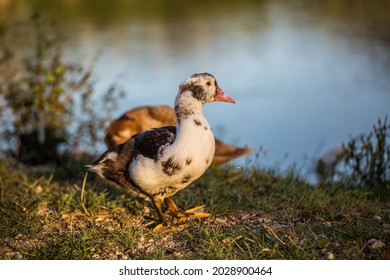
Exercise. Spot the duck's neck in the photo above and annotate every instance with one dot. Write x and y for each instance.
(194, 140)
(186, 105)
(193, 130)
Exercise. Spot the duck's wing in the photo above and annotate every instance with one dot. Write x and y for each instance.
(150, 143)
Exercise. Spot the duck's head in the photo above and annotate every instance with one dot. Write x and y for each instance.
(104, 164)
(201, 87)
(112, 164)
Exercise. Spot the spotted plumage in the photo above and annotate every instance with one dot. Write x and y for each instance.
(197, 122)
(162, 161)
(170, 166)
(188, 161)
(152, 142)
(186, 178)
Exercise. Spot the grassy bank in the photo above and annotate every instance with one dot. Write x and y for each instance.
(254, 216)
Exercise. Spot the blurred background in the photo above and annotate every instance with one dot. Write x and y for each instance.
(306, 75)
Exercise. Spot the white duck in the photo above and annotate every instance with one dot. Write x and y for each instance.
(160, 162)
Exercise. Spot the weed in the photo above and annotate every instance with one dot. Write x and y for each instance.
(368, 157)
(46, 104)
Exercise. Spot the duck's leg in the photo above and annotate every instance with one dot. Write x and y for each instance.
(164, 226)
(196, 212)
(172, 208)
(157, 204)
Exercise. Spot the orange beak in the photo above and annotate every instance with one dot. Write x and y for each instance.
(221, 96)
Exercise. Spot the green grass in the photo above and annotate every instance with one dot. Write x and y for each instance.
(255, 215)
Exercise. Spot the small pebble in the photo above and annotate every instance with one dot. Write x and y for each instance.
(146, 210)
(95, 257)
(14, 255)
(328, 224)
(377, 218)
(329, 256)
(39, 189)
(374, 244)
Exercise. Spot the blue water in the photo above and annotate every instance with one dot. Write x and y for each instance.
(305, 80)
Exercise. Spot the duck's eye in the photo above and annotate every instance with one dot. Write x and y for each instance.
(208, 83)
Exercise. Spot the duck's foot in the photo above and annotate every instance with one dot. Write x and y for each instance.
(183, 216)
(165, 228)
(193, 213)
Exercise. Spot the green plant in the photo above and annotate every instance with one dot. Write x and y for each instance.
(46, 103)
(368, 157)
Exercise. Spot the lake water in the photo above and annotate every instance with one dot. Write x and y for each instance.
(306, 75)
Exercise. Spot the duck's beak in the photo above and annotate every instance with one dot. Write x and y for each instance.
(89, 167)
(221, 96)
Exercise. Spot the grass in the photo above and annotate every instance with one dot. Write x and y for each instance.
(255, 215)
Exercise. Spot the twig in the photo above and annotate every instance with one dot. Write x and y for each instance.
(83, 187)
(82, 198)
(273, 233)
(1, 191)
